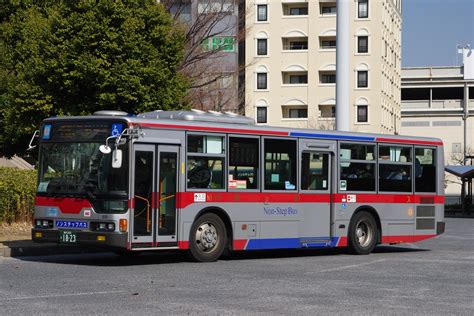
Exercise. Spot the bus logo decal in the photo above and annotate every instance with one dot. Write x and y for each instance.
(199, 197)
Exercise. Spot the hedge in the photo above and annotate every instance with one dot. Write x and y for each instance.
(17, 194)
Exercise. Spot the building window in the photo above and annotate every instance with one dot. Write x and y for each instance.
(299, 11)
(297, 43)
(243, 163)
(262, 12)
(327, 42)
(280, 164)
(295, 77)
(328, 8)
(362, 79)
(262, 47)
(327, 77)
(362, 114)
(363, 9)
(357, 167)
(298, 113)
(362, 44)
(295, 9)
(298, 79)
(261, 115)
(216, 7)
(182, 10)
(262, 81)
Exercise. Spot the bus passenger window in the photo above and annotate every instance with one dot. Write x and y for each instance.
(205, 173)
(395, 169)
(357, 167)
(243, 163)
(206, 157)
(425, 170)
(315, 171)
(280, 164)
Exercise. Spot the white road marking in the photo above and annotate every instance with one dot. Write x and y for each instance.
(58, 295)
(348, 267)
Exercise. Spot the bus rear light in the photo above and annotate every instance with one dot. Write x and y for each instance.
(123, 225)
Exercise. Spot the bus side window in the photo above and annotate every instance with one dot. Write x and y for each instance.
(243, 163)
(280, 164)
(206, 162)
(357, 167)
(425, 170)
(395, 168)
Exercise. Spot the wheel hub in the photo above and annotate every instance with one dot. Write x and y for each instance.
(206, 237)
(364, 233)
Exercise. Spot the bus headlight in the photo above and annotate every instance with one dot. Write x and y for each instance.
(44, 223)
(103, 226)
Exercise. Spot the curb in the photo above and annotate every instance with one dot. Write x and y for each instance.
(28, 248)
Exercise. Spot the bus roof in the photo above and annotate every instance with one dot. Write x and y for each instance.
(236, 124)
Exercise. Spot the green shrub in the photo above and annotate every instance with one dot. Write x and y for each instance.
(17, 194)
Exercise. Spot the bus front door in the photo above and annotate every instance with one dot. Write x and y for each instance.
(155, 174)
(167, 185)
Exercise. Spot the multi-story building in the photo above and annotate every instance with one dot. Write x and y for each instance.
(290, 60)
(439, 102)
(212, 56)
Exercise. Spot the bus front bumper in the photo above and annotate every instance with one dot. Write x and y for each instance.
(81, 237)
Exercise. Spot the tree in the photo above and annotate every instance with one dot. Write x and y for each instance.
(76, 57)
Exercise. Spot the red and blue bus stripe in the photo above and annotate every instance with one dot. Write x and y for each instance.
(265, 132)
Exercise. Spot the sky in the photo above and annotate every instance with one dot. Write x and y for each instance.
(432, 29)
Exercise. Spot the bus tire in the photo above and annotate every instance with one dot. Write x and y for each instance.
(362, 235)
(207, 240)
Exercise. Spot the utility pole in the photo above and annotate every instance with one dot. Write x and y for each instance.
(342, 65)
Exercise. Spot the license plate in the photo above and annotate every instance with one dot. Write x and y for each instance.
(67, 236)
(71, 224)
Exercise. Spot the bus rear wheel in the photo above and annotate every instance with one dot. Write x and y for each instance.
(208, 238)
(362, 233)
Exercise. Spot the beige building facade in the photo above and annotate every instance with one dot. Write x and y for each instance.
(439, 102)
(290, 64)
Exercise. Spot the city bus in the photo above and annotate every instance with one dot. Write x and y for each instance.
(211, 182)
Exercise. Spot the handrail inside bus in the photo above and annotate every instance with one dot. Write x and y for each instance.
(148, 222)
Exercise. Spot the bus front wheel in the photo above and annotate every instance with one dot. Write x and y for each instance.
(208, 238)
(362, 235)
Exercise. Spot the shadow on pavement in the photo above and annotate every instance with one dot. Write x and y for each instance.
(170, 257)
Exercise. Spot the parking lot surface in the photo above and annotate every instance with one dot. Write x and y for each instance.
(433, 277)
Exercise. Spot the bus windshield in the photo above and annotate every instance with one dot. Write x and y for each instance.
(81, 170)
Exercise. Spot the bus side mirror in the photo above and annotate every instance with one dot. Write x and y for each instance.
(105, 149)
(117, 158)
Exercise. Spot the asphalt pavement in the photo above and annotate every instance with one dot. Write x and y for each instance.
(434, 277)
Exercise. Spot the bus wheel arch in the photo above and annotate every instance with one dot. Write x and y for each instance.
(364, 231)
(215, 220)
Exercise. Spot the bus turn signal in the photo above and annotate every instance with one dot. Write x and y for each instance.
(123, 225)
